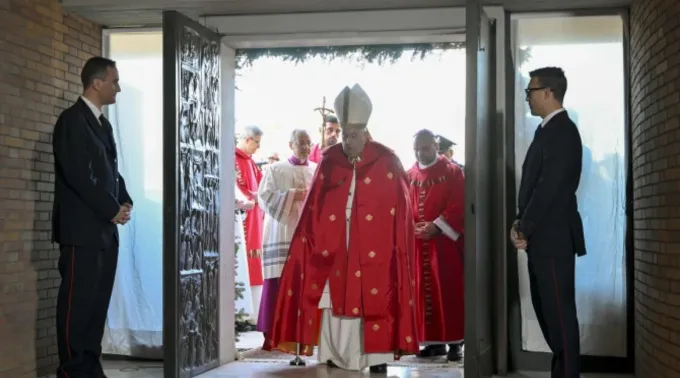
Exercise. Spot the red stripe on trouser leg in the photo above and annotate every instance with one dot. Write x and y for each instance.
(559, 312)
(68, 311)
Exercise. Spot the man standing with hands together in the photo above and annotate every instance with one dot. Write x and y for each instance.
(90, 200)
(438, 199)
(548, 225)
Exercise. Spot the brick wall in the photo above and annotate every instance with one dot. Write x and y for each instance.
(655, 80)
(42, 50)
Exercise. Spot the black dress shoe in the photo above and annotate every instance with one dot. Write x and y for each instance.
(378, 369)
(331, 364)
(455, 353)
(433, 351)
(100, 371)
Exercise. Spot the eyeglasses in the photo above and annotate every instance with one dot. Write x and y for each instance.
(528, 91)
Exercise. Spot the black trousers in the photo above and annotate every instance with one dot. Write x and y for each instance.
(87, 276)
(553, 289)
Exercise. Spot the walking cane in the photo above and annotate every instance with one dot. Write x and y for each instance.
(297, 361)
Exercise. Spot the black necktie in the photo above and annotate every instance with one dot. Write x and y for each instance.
(105, 122)
(538, 131)
(109, 131)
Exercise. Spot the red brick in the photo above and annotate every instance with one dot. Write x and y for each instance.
(655, 80)
(42, 50)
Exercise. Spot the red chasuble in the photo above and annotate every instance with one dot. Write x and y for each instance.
(248, 177)
(372, 278)
(315, 154)
(438, 192)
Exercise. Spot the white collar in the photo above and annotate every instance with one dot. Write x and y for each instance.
(96, 111)
(424, 166)
(550, 116)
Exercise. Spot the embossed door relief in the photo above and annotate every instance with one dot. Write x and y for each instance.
(196, 207)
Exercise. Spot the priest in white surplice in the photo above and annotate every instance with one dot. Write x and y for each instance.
(282, 193)
(347, 282)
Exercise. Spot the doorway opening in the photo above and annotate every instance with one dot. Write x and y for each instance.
(134, 329)
(590, 47)
(133, 316)
(410, 93)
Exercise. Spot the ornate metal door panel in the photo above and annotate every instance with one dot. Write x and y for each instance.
(191, 135)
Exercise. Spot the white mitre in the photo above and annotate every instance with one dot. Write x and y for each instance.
(353, 107)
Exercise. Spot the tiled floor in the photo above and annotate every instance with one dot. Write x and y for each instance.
(250, 340)
(134, 369)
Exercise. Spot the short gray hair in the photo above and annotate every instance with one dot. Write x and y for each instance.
(250, 132)
(294, 134)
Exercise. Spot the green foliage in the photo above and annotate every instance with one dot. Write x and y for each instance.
(380, 54)
(240, 324)
(523, 55)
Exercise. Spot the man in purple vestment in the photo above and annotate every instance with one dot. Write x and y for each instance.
(281, 195)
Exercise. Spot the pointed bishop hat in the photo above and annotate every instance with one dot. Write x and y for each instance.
(353, 107)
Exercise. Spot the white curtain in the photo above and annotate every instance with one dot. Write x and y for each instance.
(590, 50)
(135, 320)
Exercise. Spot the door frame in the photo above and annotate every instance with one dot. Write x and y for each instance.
(481, 226)
(519, 359)
(419, 25)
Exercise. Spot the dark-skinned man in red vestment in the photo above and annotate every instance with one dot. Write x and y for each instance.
(248, 177)
(437, 196)
(349, 287)
(331, 135)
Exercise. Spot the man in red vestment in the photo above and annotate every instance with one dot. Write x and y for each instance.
(358, 275)
(437, 196)
(331, 134)
(248, 177)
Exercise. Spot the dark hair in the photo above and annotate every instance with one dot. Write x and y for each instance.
(552, 78)
(95, 68)
(331, 119)
(425, 133)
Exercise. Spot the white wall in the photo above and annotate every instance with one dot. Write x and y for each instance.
(227, 259)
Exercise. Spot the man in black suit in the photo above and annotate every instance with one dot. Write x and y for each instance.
(446, 149)
(90, 201)
(548, 226)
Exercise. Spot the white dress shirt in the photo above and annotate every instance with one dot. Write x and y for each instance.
(95, 110)
(550, 116)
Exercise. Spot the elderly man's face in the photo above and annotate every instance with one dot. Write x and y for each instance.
(301, 146)
(353, 140)
(253, 144)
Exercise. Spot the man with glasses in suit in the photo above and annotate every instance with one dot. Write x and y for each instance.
(548, 225)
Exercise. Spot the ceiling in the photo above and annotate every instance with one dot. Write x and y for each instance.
(130, 13)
